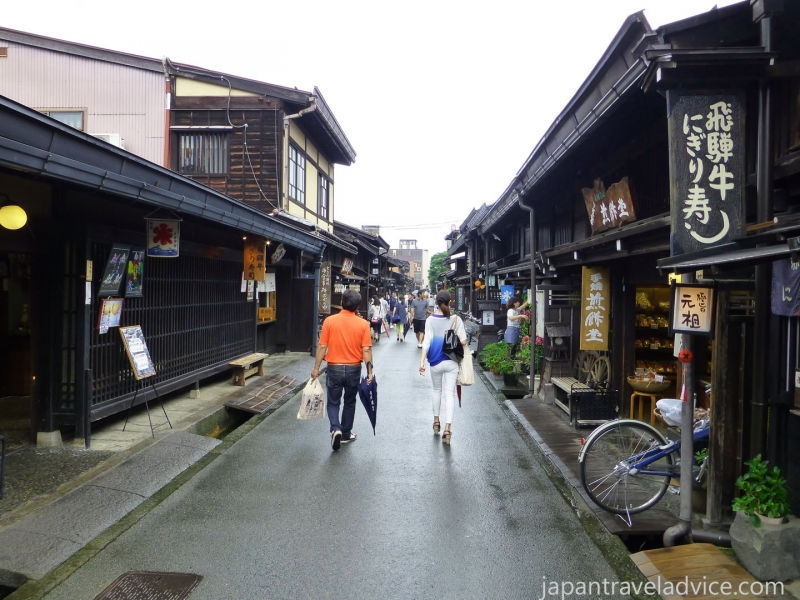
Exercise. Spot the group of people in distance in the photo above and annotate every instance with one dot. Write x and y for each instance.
(346, 341)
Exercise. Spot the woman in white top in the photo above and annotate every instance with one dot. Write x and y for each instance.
(444, 368)
(515, 318)
(376, 316)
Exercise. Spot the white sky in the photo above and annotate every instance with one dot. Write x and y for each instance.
(442, 100)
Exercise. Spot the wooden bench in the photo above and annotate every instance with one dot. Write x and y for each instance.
(252, 364)
(584, 404)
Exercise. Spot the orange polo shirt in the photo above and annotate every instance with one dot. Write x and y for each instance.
(345, 334)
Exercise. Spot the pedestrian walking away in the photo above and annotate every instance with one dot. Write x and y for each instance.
(444, 367)
(376, 316)
(419, 312)
(399, 317)
(344, 343)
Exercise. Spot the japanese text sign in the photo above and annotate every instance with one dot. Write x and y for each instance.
(608, 208)
(706, 168)
(163, 237)
(595, 308)
(785, 297)
(692, 309)
(255, 259)
(325, 288)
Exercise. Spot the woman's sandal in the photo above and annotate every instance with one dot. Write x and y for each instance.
(437, 427)
(446, 436)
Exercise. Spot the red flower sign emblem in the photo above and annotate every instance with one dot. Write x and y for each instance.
(162, 234)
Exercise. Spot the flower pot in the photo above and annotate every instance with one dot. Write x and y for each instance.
(771, 520)
(510, 379)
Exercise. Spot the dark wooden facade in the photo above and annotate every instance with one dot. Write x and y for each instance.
(255, 157)
(752, 359)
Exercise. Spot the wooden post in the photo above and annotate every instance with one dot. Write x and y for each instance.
(722, 462)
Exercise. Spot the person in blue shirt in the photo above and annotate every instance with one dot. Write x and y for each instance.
(444, 369)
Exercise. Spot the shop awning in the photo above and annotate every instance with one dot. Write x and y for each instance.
(724, 256)
(352, 277)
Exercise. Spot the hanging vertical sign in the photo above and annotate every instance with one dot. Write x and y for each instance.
(255, 258)
(595, 308)
(692, 309)
(706, 169)
(785, 298)
(163, 237)
(325, 288)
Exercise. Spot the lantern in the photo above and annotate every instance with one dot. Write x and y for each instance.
(13, 216)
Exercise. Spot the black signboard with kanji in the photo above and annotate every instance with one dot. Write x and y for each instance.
(706, 169)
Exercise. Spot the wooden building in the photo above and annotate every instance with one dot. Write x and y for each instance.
(87, 203)
(602, 185)
(270, 147)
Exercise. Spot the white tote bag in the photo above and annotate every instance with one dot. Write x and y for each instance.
(466, 374)
(312, 400)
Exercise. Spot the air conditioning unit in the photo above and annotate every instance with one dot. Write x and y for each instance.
(111, 138)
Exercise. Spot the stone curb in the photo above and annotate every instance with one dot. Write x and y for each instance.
(610, 545)
(33, 589)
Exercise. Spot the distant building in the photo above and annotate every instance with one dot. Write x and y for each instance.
(418, 261)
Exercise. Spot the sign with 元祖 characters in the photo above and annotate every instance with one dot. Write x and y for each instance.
(692, 309)
(608, 208)
(706, 169)
(595, 308)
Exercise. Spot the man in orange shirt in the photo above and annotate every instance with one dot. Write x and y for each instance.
(344, 343)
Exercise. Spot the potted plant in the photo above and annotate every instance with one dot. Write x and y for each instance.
(765, 496)
(493, 355)
(509, 369)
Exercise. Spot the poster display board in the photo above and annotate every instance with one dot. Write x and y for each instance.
(595, 308)
(136, 349)
(135, 277)
(110, 314)
(116, 268)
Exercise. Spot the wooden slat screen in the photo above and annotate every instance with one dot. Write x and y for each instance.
(193, 316)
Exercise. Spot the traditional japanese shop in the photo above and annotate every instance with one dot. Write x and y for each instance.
(100, 249)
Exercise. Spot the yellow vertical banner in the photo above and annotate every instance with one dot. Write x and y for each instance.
(255, 259)
(595, 308)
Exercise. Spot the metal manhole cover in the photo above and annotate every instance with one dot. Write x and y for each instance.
(149, 585)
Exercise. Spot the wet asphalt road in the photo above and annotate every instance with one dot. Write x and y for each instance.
(397, 515)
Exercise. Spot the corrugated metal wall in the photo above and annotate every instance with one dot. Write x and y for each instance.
(116, 98)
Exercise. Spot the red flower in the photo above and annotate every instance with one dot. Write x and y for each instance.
(162, 234)
(539, 340)
(526, 339)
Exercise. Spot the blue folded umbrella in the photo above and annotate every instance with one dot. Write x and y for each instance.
(368, 392)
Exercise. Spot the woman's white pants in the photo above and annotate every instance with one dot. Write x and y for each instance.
(444, 389)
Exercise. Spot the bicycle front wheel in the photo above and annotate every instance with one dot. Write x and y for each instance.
(607, 474)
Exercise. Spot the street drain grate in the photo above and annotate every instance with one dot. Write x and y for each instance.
(272, 388)
(149, 585)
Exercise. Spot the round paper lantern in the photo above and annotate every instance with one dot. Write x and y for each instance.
(13, 216)
(478, 283)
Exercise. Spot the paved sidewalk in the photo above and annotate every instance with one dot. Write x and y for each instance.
(58, 499)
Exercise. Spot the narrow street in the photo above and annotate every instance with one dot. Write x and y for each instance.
(397, 515)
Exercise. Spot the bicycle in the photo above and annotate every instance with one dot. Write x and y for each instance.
(626, 465)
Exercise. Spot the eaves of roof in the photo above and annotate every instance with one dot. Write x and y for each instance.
(34, 143)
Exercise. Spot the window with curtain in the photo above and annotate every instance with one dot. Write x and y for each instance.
(203, 153)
